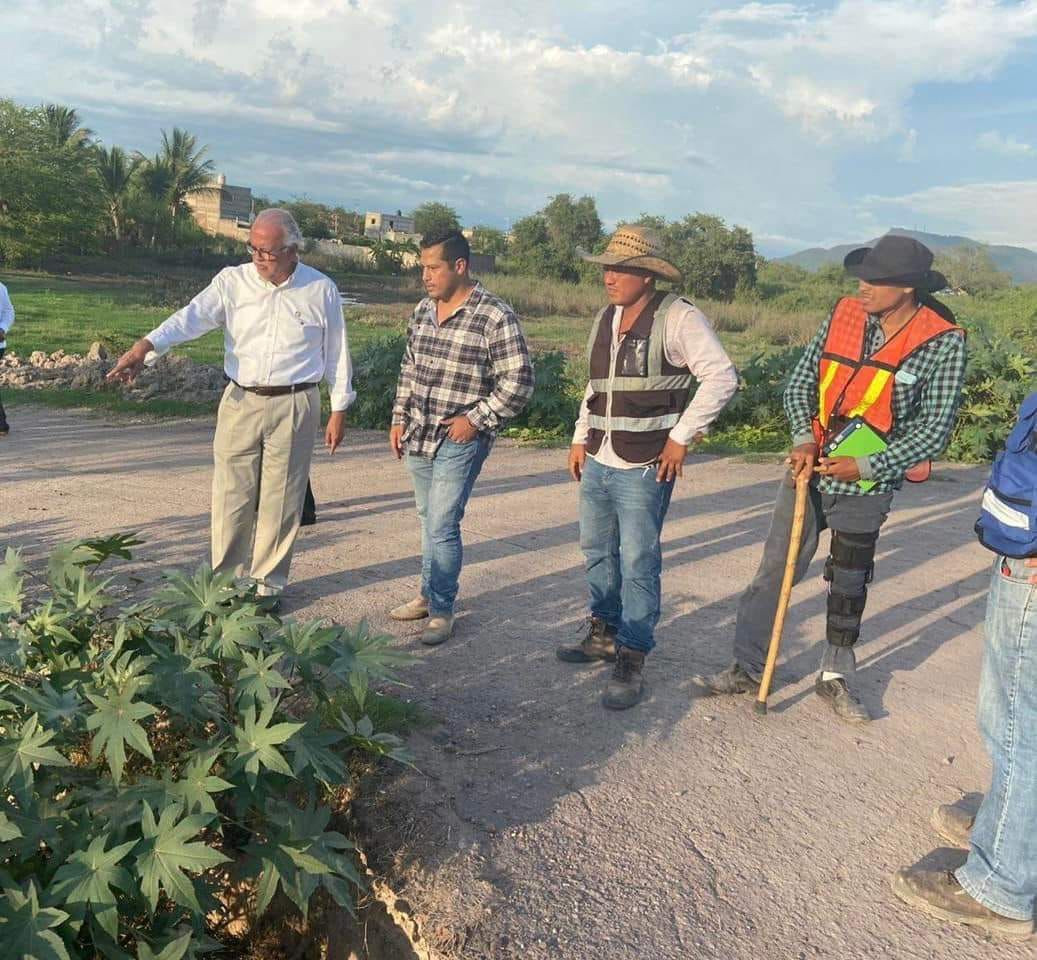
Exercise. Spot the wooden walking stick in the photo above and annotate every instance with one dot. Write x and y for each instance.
(795, 540)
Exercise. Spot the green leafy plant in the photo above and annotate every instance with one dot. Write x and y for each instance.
(153, 753)
(758, 403)
(1000, 376)
(550, 414)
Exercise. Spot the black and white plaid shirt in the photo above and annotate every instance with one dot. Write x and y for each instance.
(476, 363)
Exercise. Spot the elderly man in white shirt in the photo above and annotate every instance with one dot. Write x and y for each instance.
(6, 320)
(647, 349)
(284, 332)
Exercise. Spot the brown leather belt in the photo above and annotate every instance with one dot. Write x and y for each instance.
(276, 391)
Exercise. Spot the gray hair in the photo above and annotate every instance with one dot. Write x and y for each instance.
(283, 218)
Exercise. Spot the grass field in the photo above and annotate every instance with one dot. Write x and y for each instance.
(70, 311)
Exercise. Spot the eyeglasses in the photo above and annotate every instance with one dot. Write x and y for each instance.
(259, 253)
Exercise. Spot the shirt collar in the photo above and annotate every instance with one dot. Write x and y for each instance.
(475, 295)
(284, 285)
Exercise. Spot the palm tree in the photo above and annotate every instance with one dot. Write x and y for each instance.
(154, 180)
(62, 125)
(155, 176)
(190, 173)
(116, 171)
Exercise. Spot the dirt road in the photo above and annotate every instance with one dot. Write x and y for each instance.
(541, 825)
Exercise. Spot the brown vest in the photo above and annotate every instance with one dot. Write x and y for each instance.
(641, 400)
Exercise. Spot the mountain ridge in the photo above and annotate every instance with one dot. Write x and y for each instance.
(1018, 262)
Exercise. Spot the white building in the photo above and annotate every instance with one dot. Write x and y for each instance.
(388, 226)
(223, 210)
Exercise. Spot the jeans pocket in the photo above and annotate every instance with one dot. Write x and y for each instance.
(1015, 569)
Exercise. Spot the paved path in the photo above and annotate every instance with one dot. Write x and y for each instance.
(541, 825)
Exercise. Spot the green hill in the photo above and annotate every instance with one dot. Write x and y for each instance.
(1018, 262)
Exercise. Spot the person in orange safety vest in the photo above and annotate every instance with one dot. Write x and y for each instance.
(892, 358)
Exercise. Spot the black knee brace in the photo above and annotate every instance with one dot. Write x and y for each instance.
(848, 570)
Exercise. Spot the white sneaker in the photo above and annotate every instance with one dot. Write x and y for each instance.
(416, 609)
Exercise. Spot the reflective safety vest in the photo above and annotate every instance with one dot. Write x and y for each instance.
(851, 384)
(638, 395)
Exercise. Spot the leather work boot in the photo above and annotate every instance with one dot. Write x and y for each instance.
(938, 893)
(438, 630)
(953, 823)
(735, 679)
(599, 644)
(842, 701)
(416, 609)
(626, 685)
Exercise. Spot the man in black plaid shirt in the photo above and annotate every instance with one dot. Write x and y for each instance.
(465, 373)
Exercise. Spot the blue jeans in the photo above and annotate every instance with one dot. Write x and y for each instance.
(1001, 871)
(442, 486)
(621, 517)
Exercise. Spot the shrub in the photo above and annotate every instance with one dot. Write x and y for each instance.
(758, 402)
(154, 754)
(556, 399)
(376, 368)
(1000, 376)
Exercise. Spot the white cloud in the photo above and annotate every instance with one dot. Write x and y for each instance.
(1008, 146)
(999, 212)
(767, 13)
(744, 109)
(852, 68)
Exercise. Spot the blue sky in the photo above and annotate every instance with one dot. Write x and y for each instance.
(809, 123)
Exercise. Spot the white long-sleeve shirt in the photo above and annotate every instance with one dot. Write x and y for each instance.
(274, 335)
(691, 342)
(6, 315)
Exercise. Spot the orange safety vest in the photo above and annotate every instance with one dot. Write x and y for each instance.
(852, 385)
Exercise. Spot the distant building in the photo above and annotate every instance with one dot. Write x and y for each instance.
(388, 226)
(223, 210)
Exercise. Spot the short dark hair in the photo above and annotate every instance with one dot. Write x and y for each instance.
(455, 246)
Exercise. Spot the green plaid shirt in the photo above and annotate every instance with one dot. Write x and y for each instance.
(926, 396)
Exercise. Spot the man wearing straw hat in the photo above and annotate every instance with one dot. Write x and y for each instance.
(893, 360)
(646, 350)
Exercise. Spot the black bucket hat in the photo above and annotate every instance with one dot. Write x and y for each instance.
(896, 262)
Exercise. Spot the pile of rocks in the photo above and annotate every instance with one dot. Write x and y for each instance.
(171, 378)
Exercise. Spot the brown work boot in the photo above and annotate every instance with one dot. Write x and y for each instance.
(842, 700)
(599, 644)
(438, 630)
(416, 609)
(938, 893)
(953, 823)
(626, 685)
(735, 679)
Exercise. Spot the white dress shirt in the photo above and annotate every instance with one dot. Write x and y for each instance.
(691, 342)
(6, 315)
(274, 335)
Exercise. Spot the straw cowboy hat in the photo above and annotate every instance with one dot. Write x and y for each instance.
(639, 247)
(896, 261)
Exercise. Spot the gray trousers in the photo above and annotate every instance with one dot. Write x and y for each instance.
(759, 603)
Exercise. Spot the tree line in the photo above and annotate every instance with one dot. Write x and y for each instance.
(62, 191)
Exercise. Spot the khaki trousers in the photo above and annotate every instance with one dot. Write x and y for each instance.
(261, 452)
